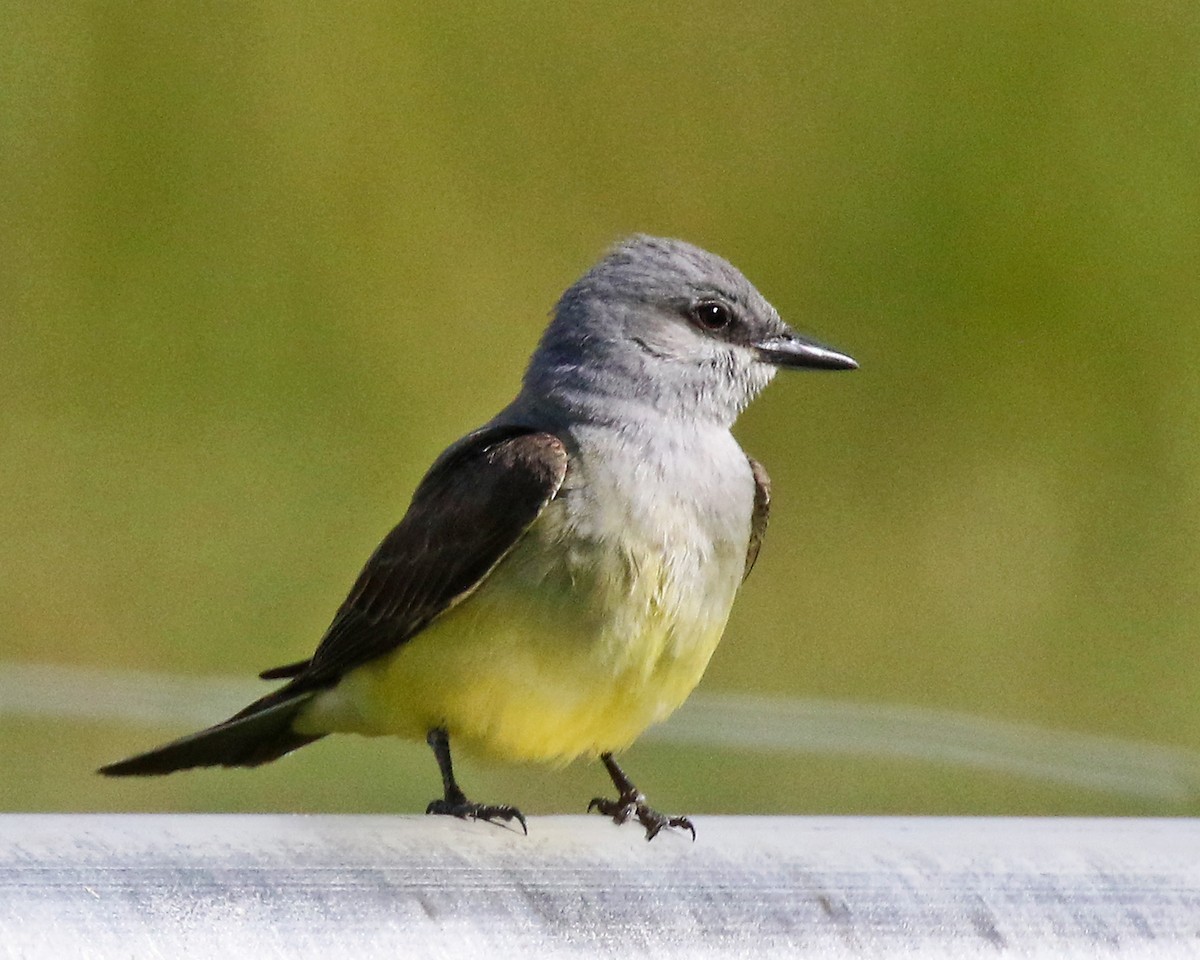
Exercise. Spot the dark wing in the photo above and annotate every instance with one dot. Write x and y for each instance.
(762, 511)
(473, 506)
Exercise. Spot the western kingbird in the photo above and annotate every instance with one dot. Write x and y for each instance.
(563, 574)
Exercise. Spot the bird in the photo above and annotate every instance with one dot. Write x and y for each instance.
(563, 573)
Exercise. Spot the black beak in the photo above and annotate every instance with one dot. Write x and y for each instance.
(791, 350)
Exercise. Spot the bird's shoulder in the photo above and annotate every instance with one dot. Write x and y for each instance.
(472, 507)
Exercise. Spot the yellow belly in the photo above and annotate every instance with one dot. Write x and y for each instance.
(558, 654)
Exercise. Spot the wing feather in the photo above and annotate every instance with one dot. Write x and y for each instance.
(471, 509)
(760, 515)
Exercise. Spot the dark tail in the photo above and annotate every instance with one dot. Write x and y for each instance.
(285, 672)
(260, 733)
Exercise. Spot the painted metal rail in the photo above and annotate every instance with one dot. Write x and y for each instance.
(100, 886)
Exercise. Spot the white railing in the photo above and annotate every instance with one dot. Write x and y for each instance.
(263, 886)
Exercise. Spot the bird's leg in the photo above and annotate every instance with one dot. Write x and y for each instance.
(631, 803)
(455, 802)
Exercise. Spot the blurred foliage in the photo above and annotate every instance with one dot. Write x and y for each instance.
(262, 261)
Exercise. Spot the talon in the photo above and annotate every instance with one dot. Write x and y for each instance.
(619, 810)
(455, 802)
(631, 802)
(683, 823)
(466, 810)
(624, 809)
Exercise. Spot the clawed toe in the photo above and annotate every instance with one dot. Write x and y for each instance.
(455, 802)
(660, 821)
(466, 810)
(631, 803)
(630, 806)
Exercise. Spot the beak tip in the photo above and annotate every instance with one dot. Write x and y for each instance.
(802, 353)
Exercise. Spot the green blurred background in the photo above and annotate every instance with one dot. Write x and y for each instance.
(261, 261)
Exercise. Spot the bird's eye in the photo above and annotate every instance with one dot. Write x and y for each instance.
(711, 315)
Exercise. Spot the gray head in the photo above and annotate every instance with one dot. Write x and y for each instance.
(662, 324)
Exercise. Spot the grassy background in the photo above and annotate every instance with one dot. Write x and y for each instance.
(262, 261)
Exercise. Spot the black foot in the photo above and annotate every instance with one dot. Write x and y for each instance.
(466, 810)
(631, 805)
(455, 802)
